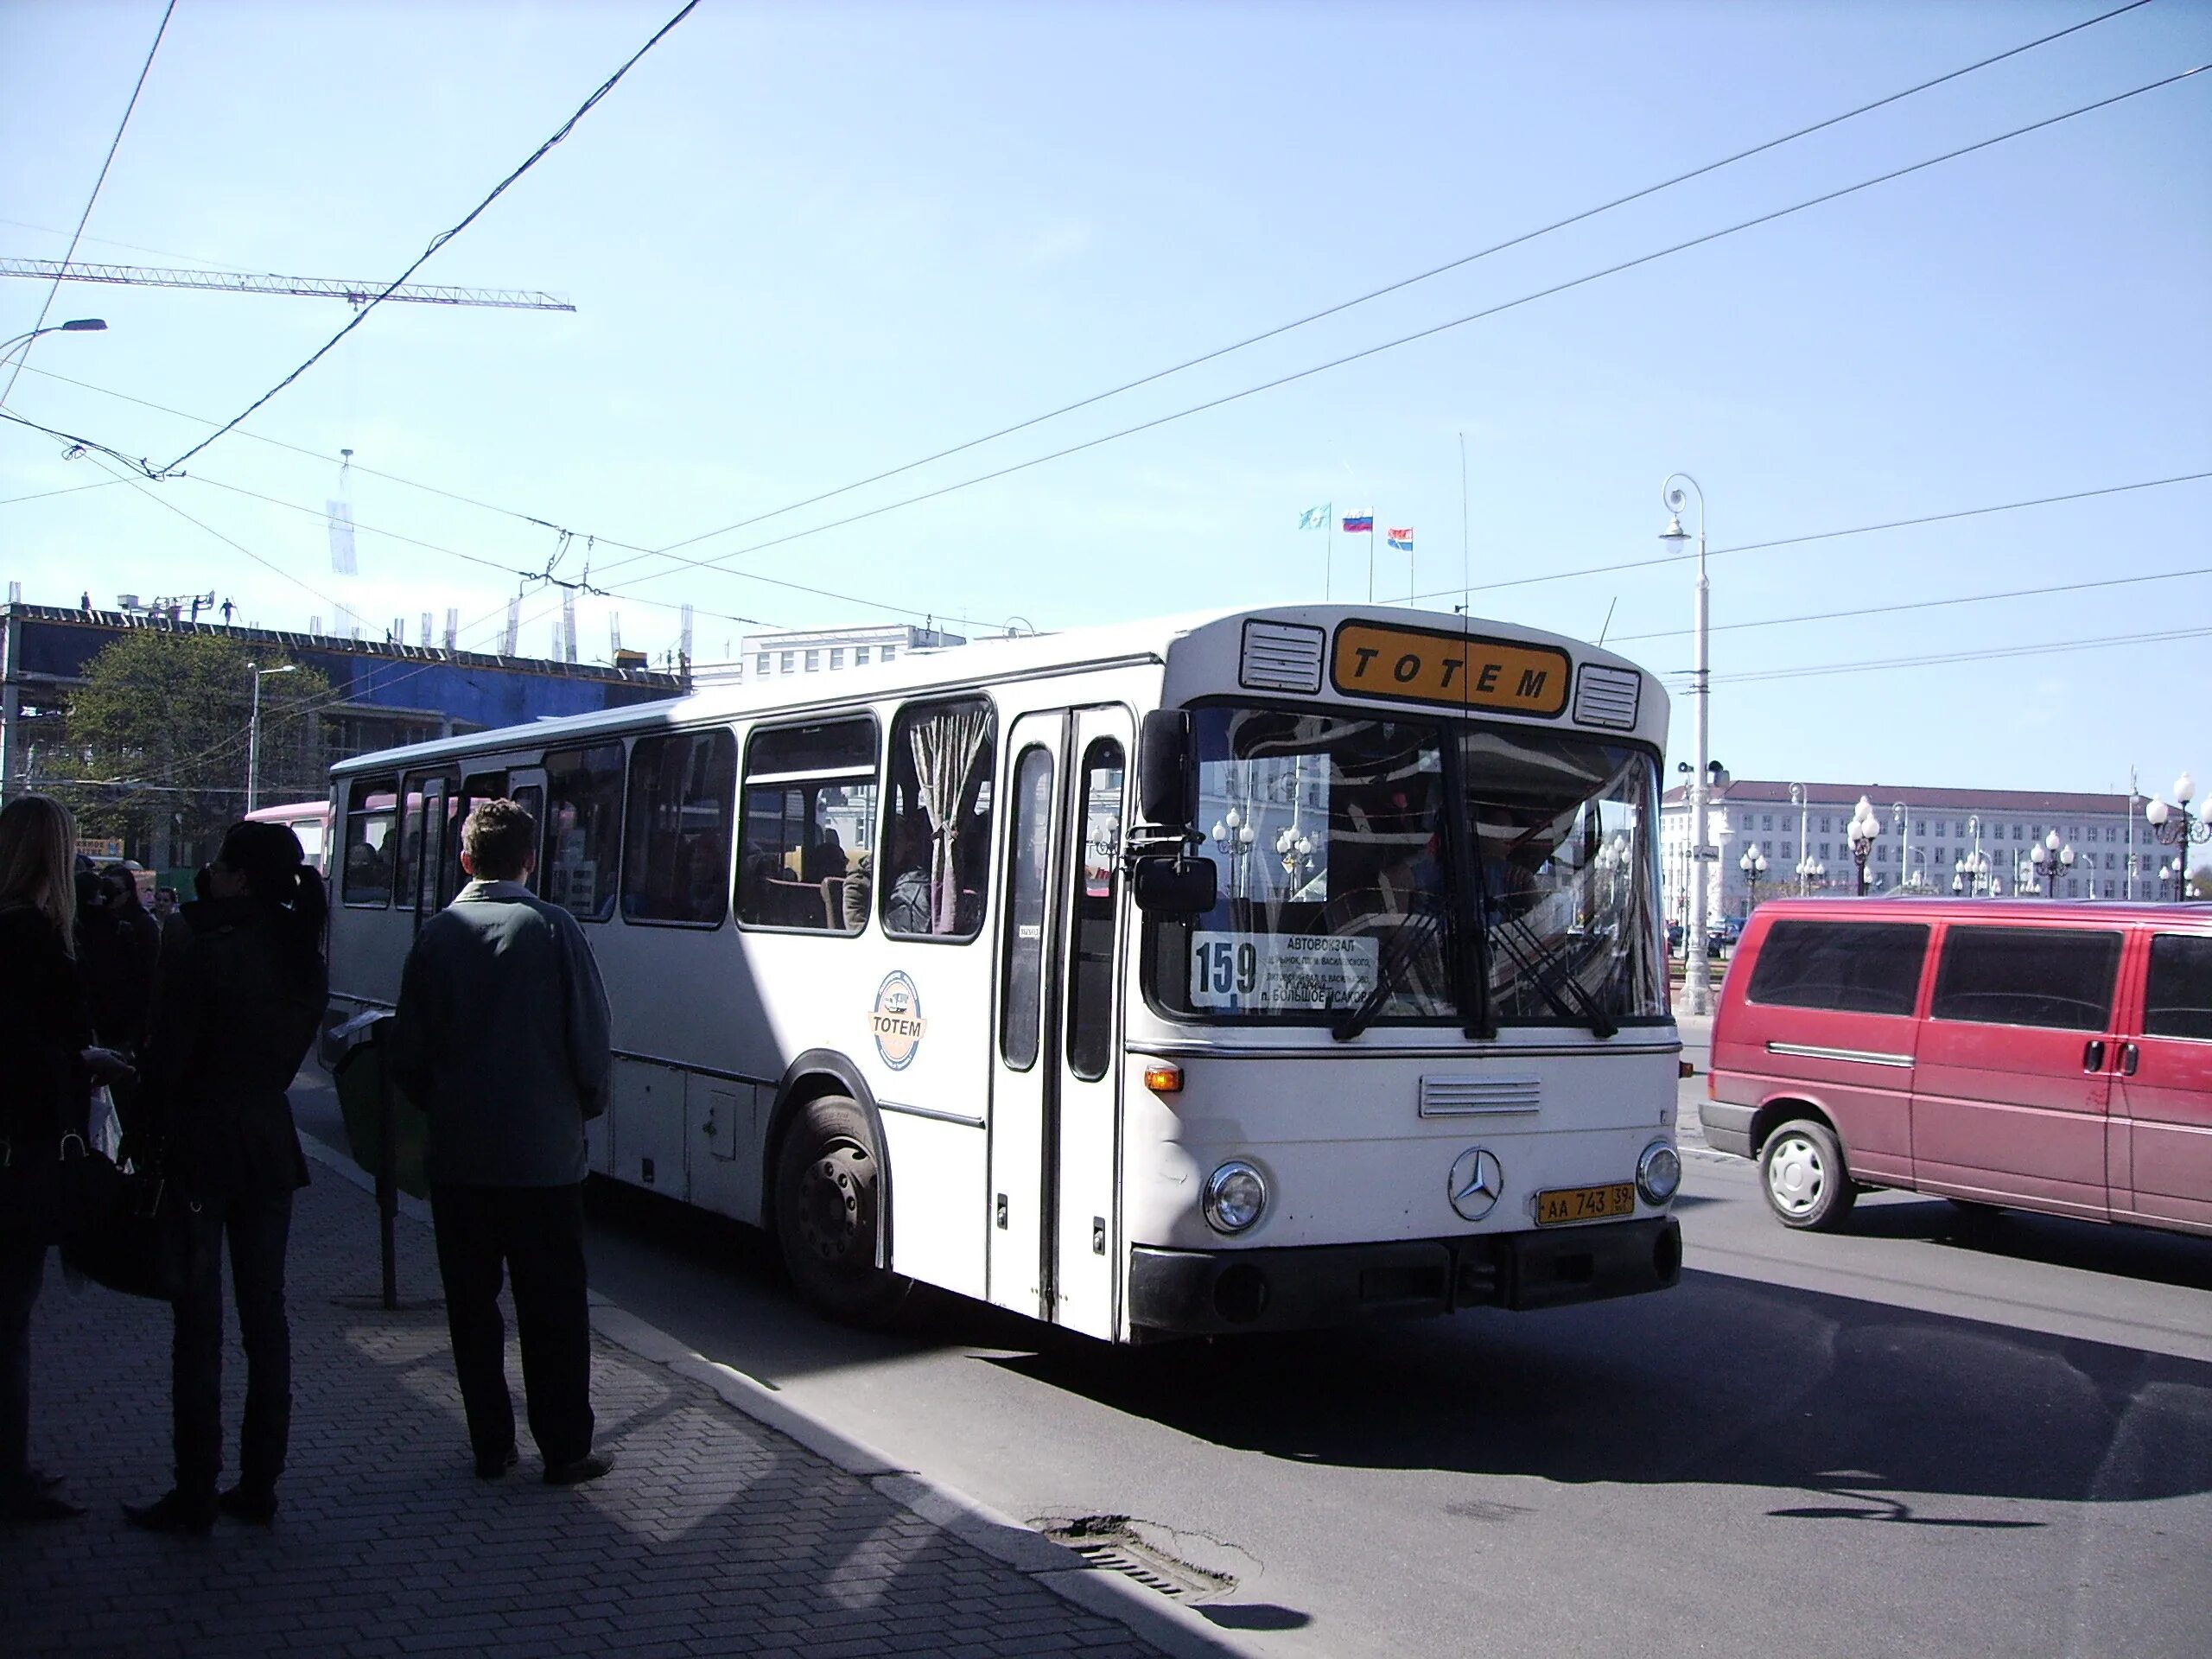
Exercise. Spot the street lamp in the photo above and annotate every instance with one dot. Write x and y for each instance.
(1233, 836)
(1753, 865)
(2176, 828)
(1804, 820)
(253, 731)
(1698, 981)
(1809, 870)
(1865, 828)
(75, 325)
(1905, 844)
(1971, 872)
(2171, 871)
(2049, 857)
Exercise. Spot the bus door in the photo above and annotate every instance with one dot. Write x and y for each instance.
(526, 788)
(431, 855)
(1083, 1121)
(1022, 1044)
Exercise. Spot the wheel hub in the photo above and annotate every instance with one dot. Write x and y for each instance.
(833, 1220)
(1795, 1176)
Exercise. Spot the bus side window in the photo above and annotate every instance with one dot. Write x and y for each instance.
(1029, 842)
(371, 806)
(1097, 866)
(937, 828)
(676, 844)
(809, 817)
(582, 829)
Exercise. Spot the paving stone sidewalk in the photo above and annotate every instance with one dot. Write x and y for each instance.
(713, 1534)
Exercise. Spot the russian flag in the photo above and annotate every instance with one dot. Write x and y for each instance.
(1401, 539)
(1363, 525)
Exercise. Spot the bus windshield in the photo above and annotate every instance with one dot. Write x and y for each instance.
(1341, 841)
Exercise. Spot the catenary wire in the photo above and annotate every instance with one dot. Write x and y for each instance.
(442, 238)
(42, 495)
(1770, 217)
(1659, 559)
(1408, 282)
(1937, 659)
(85, 218)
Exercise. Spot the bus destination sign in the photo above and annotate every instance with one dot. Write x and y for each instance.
(1455, 671)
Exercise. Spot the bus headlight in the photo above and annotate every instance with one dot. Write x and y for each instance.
(1658, 1172)
(1236, 1193)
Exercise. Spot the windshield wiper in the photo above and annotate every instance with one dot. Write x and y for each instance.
(1416, 934)
(1543, 969)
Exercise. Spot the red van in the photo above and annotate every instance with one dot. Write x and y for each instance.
(2032, 1055)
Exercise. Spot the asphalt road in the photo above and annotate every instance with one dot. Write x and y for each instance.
(1930, 1435)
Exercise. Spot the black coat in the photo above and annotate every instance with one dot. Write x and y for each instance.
(44, 1029)
(236, 1012)
(118, 950)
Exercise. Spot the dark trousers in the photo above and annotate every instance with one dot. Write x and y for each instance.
(257, 1230)
(535, 1233)
(22, 1264)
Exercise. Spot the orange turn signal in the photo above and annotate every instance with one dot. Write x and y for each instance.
(1163, 1079)
(1688, 1070)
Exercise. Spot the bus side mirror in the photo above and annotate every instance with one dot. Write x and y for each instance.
(1175, 886)
(1164, 770)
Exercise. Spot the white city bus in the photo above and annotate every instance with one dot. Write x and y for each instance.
(1354, 1005)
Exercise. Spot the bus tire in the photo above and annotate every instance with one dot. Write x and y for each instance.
(830, 1212)
(1802, 1176)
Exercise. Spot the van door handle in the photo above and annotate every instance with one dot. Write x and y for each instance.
(2129, 1054)
(2093, 1057)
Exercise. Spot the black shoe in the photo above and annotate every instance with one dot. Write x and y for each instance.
(497, 1464)
(589, 1467)
(31, 1507)
(257, 1505)
(174, 1512)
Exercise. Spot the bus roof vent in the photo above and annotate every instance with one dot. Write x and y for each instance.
(1281, 657)
(1607, 696)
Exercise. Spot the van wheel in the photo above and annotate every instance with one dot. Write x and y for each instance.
(830, 1212)
(1802, 1172)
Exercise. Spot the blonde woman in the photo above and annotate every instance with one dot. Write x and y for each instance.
(48, 1065)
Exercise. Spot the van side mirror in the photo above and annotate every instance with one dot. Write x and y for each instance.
(1175, 886)
(1164, 770)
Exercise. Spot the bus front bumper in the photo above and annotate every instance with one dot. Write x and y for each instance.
(1213, 1293)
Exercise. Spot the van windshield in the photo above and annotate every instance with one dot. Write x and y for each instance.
(1415, 871)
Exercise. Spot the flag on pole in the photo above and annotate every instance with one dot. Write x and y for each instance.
(1314, 519)
(1364, 524)
(1400, 539)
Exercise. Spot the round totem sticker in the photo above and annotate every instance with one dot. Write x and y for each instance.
(897, 1021)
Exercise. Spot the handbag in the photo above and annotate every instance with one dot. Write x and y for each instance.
(148, 1244)
(56, 1193)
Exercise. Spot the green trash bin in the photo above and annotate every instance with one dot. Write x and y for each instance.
(363, 1089)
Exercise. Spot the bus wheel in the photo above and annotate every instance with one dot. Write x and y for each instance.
(830, 1212)
(1803, 1175)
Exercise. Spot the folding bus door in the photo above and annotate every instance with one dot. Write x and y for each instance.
(1082, 1124)
(526, 788)
(431, 853)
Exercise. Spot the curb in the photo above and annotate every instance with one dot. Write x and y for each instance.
(1179, 1631)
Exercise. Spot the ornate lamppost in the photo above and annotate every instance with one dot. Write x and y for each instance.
(1864, 828)
(1753, 865)
(2174, 827)
(1673, 497)
(2049, 858)
(1233, 836)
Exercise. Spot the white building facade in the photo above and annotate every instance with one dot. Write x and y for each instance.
(1932, 841)
(763, 657)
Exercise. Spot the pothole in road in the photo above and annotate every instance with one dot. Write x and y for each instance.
(1156, 1557)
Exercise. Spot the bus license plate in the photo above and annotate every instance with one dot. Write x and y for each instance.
(1564, 1205)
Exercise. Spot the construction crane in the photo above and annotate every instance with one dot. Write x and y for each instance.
(315, 288)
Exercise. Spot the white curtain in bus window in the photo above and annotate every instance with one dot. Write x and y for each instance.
(676, 847)
(809, 821)
(937, 833)
(372, 810)
(582, 829)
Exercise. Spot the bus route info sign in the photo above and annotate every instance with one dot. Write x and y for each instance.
(1269, 972)
(1452, 670)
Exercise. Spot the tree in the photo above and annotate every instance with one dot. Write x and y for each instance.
(157, 739)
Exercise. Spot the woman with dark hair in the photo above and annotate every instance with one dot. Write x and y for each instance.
(235, 1015)
(48, 1065)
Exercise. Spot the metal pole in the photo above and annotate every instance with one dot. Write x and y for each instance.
(1701, 970)
(253, 744)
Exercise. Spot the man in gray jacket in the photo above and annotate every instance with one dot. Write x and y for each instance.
(501, 1036)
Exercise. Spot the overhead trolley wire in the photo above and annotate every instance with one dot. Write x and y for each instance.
(1409, 281)
(442, 237)
(85, 218)
(1938, 659)
(719, 563)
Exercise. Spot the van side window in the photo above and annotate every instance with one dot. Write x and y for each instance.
(810, 820)
(372, 810)
(1848, 966)
(937, 824)
(2027, 977)
(675, 840)
(583, 830)
(2177, 1002)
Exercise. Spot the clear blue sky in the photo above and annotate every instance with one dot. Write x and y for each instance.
(809, 243)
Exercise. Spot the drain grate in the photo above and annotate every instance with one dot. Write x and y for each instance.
(1113, 1543)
